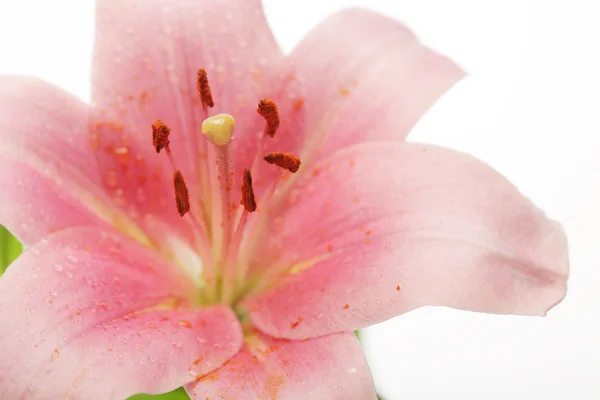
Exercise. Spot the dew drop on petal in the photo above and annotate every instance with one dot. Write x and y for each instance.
(177, 344)
(58, 267)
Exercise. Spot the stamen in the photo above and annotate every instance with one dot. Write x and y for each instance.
(182, 196)
(204, 90)
(248, 199)
(284, 160)
(269, 111)
(160, 136)
(219, 129)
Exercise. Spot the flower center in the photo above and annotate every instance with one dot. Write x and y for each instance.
(226, 236)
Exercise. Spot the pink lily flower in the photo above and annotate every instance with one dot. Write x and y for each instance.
(144, 273)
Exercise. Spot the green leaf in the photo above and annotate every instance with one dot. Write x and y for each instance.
(10, 248)
(178, 394)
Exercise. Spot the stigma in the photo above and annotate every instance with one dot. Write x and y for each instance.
(218, 129)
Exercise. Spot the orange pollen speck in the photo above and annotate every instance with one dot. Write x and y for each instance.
(160, 136)
(204, 89)
(398, 288)
(269, 111)
(294, 324)
(182, 196)
(248, 199)
(284, 160)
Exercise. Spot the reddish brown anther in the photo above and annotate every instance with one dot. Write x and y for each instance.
(284, 160)
(248, 199)
(269, 111)
(182, 196)
(160, 136)
(204, 89)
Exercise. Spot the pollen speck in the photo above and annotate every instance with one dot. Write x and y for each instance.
(54, 355)
(248, 199)
(398, 288)
(185, 323)
(160, 136)
(294, 324)
(347, 306)
(284, 160)
(298, 104)
(344, 91)
(269, 111)
(122, 154)
(182, 196)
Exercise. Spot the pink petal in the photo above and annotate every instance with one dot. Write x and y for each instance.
(92, 315)
(387, 227)
(362, 77)
(48, 177)
(145, 62)
(331, 367)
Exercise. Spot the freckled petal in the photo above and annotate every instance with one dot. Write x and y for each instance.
(48, 181)
(145, 62)
(331, 367)
(388, 227)
(363, 77)
(92, 315)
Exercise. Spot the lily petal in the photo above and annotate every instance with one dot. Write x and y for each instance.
(45, 155)
(362, 77)
(145, 62)
(410, 225)
(331, 367)
(89, 314)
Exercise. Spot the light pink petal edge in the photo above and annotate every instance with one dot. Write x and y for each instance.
(331, 367)
(48, 181)
(357, 77)
(408, 225)
(91, 315)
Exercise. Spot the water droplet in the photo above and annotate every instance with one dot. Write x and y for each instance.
(201, 340)
(89, 281)
(53, 293)
(177, 344)
(58, 267)
(72, 259)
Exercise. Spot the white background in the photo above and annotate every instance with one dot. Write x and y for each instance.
(530, 108)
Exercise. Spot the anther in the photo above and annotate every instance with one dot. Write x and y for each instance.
(182, 196)
(160, 136)
(248, 199)
(204, 89)
(284, 160)
(269, 111)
